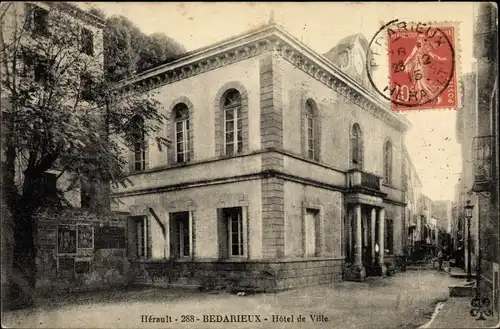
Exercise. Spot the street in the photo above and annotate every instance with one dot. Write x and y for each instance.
(405, 300)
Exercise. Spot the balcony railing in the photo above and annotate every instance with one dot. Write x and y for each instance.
(358, 178)
(482, 148)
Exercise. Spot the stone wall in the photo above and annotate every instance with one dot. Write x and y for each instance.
(79, 251)
(258, 276)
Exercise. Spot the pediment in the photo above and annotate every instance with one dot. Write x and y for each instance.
(350, 55)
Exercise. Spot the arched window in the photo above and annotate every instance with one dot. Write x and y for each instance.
(388, 163)
(311, 131)
(356, 147)
(233, 123)
(182, 133)
(139, 143)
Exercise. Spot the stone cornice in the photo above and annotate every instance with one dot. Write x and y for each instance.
(268, 38)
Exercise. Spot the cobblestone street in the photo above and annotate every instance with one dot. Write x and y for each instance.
(404, 301)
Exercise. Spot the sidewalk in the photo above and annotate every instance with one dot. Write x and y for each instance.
(455, 313)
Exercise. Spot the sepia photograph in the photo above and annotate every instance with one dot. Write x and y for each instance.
(249, 165)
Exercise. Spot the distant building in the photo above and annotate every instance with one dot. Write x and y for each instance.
(443, 211)
(413, 187)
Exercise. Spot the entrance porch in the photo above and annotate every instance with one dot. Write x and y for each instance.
(365, 237)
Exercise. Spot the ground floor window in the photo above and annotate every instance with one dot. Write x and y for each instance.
(389, 236)
(311, 232)
(141, 230)
(232, 232)
(180, 234)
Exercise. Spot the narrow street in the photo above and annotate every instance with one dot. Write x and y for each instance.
(403, 301)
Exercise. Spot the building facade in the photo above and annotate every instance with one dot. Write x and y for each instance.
(443, 210)
(76, 248)
(466, 131)
(486, 150)
(284, 168)
(413, 188)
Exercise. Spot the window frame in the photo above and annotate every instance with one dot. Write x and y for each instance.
(177, 251)
(86, 44)
(225, 228)
(237, 120)
(388, 163)
(310, 136)
(316, 212)
(33, 24)
(86, 83)
(356, 143)
(139, 145)
(185, 130)
(141, 227)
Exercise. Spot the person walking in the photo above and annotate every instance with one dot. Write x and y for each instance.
(440, 259)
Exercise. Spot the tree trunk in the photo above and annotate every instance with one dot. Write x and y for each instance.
(24, 258)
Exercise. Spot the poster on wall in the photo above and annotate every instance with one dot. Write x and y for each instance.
(66, 240)
(85, 237)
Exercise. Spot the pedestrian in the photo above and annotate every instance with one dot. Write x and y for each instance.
(440, 259)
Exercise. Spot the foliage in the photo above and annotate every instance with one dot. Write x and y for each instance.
(58, 106)
(129, 51)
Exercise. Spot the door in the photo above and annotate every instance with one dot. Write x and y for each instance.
(367, 240)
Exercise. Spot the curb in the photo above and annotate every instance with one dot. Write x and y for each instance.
(438, 307)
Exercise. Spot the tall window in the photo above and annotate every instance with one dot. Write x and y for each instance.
(141, 229)
(310, 130)
(87, 42)
(311, 232)
(180, 233)
(356, 147)
(139, 146)
(86, 87)
(388, 163)
(181, 115)
(389, 235)
(232, 232)
(233, 132)
(37, 19)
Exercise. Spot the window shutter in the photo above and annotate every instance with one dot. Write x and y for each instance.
(246, 221)
(303, 129)
(174, 236)
(131, 160)
(171, 156)
(190, 140)
(191, 232)
(222, 234)
(146, 152)
(317, 136)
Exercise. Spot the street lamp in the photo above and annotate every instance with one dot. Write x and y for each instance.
(468, 214)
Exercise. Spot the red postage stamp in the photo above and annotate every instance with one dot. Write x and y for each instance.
(422, 68)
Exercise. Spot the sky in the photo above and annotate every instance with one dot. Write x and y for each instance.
(432, 140)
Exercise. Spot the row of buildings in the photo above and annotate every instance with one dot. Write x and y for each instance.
(285, 168)
(477, 131)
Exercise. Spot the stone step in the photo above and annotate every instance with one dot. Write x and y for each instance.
(466, 289)
(461, 275)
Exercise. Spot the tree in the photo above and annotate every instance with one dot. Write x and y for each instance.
(58, 112)
(130, 51)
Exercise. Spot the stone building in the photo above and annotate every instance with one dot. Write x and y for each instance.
(466, 127)
(413, 187)
(285, 168)
(486, 151)
(76, 248)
